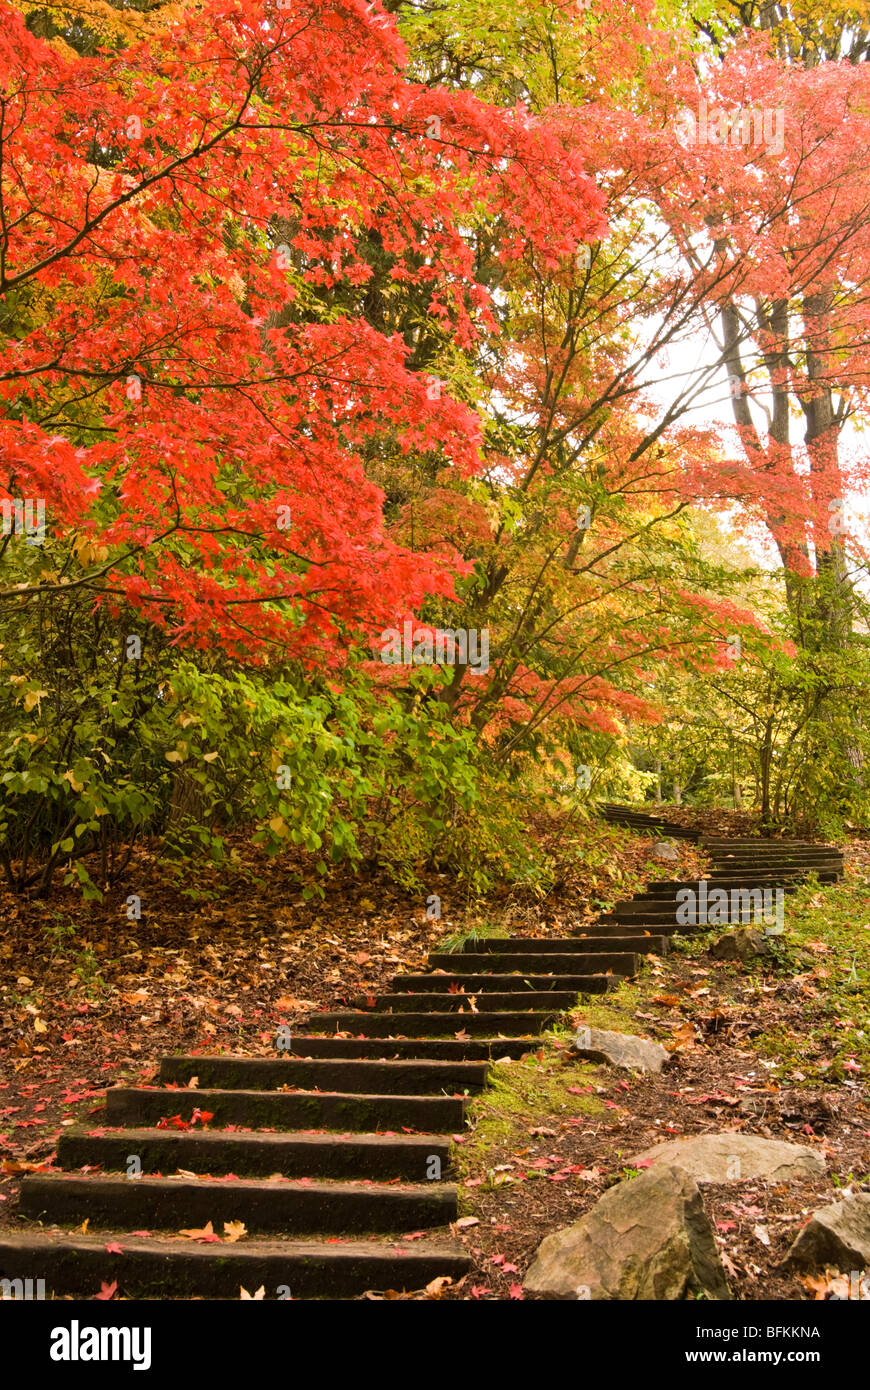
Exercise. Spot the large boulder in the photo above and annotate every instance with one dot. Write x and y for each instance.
(745, 944)
(736, 1157)
(619, 1049)
(837, 1235)
(665, 849)
(646, 1238)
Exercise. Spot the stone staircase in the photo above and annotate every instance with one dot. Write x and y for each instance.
(642, 821)
(738, 866)
(336, 1154)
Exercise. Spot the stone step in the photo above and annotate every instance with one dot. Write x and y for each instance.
(327, 1208)
(448, 1049)
(787, 876)
(414, 1077)
(556, 946)
(558, 999)
(667, 911)
(257, 1154)
(772, 880)
(588, 964)
(516, 984)
(435, 1025)
(665, 923)
(157, 1268)
(670, 904)
(784, 852)
(667, 891)
(762, 842)
(770, 864)
(640, 940)
(742, 862)
(662, 926)
(138, 1106)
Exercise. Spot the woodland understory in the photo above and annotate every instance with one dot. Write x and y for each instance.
(421, 422)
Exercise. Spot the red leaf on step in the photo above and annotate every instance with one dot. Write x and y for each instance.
(107, 1291)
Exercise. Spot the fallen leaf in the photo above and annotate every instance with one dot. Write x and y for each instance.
(433, 1289)
(682, 1039)
(14, 1165)
(234, 1230)
(206, 1233)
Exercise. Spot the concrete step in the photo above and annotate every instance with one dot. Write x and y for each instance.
(436, 1025)
(590, 964)
(662, 922)
(665, 910)
(662, 926)
(777, 851)
(558, 999)
(641, 940)
(448, 1049)
(171, 1267)
(414, 1077)
(785, 875)
(668, 892)
(504, 984)
(739, 864)
(138, 1106)
(740, 884)
(520, 945)
(327, 1208)
(764, 842)
(257, 1154)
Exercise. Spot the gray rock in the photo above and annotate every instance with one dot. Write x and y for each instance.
(619, 1049)
(736, 1157)
(666, 849)
(647, 1238)
(741, 945)
(837, 1235)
